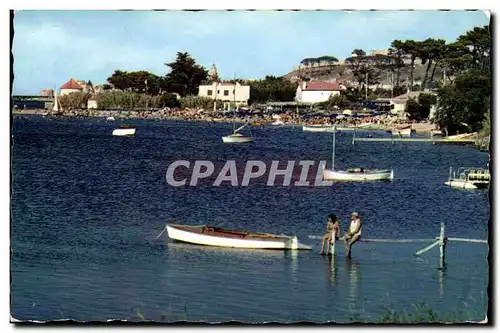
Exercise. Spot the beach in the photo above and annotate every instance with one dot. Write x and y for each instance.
(206, 116)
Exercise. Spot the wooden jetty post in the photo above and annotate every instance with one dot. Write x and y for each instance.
(442, 246)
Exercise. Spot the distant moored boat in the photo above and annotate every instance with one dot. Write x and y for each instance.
(124, 131)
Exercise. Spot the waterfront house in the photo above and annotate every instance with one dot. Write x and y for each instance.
(70, 87)
(226, 92)
(398, 104)
(317, 92)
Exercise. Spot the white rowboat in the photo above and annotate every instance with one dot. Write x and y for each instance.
(213, 236)
(124, 131)
(317, 128)
(327, 128)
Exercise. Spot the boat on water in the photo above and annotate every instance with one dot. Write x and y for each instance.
(346, 129)
(402, 131)
(110, 118)
(214, 236)
(237, 137)
(469, 178)
(355, 174)
(56, 107)
(317, 128)
(326, 128)
(124, 131)
(278, 123)
(358, 174)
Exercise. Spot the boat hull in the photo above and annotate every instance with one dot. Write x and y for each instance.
(346, 129)
(124, 132)
(317, 129)
(460, 183)
(240, 240)
(374, 175)
(328, 129)
(402, 132)
(236, 139)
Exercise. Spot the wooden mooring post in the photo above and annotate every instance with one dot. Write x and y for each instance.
(442, 247)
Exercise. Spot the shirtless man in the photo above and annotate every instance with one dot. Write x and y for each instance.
(332, 233)
(352, 235)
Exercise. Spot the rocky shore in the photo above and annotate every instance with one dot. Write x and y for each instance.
(200, 115)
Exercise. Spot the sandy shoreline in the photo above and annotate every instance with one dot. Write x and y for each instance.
(124, 115)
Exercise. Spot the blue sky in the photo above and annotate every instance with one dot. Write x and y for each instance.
(51, 46)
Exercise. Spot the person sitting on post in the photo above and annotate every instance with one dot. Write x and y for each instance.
(352, 235)
(332, 233)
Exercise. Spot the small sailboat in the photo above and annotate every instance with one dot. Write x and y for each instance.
(55, 108)
(124, 131)
(237, 137)
(355, 174)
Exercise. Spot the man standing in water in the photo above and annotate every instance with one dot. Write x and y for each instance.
(332, 233)
(352, 235)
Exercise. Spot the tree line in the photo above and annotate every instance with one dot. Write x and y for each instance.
(184, 76)
(463, 95)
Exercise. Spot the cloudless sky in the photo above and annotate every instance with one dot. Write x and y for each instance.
(50, 47)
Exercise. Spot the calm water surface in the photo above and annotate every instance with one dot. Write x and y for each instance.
(87, 207)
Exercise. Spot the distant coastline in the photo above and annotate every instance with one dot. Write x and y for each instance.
(421, 128)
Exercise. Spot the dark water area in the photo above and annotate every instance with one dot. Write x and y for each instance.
(87, 207)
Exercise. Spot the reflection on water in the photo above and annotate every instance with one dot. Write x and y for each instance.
(180, 248)
(441, 282)
(354, 276)
(331, 270)
(292, 259)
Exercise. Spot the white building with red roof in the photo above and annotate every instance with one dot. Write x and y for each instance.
(317, 92)
(70, 87)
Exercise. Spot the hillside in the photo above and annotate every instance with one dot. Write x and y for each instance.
(343, 73)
